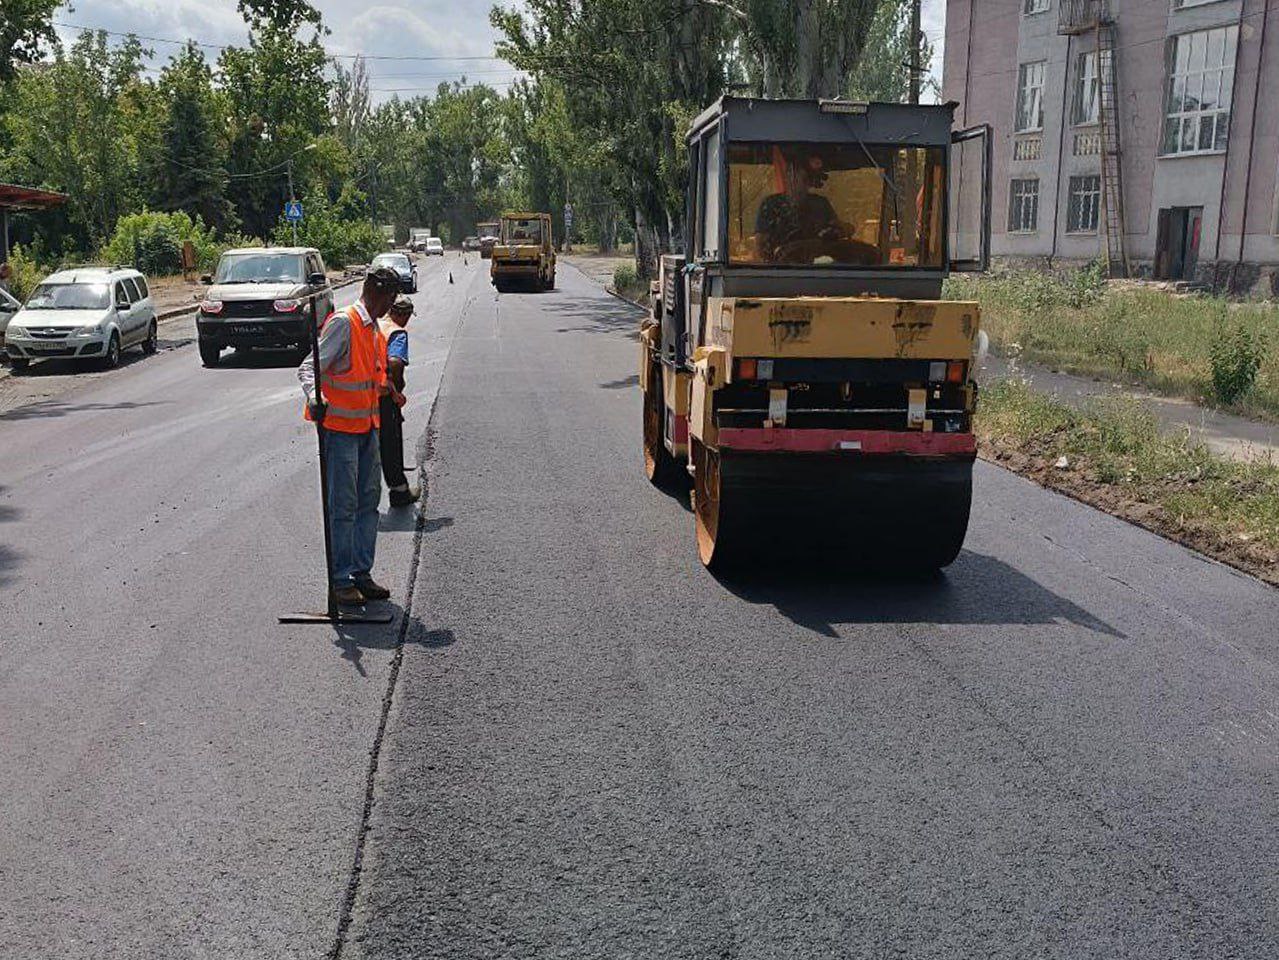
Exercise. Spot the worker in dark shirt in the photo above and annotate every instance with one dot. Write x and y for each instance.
(391, 436)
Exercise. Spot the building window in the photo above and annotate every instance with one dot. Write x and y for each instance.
(1200, 74)
(1087, 99)
(1023, 206)
(1084, 204)
(1039, 6)
(1030, 96)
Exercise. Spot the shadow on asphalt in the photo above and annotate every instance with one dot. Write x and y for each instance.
(8, 556)
(352, 639)
(259, 359)
(56, 408)
(631, 381)
(597, 317)
(975, 589)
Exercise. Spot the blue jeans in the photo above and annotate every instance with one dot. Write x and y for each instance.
(355, 487)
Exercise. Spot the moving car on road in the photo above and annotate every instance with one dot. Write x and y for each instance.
(263, 297)
(403, 267)
(434, 247)
(85, 312)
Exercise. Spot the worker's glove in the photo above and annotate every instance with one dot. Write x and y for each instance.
(317, 411)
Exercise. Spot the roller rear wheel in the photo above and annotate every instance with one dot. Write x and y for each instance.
(713, 517)
(662, 469)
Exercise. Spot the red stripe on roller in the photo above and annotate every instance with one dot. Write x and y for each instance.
(911, 443)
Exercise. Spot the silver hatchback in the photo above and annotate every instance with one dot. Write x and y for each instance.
(83, 313)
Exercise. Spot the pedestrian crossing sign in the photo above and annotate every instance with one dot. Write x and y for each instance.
(293, 211)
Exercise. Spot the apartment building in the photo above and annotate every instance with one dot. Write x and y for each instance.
(1141, 132)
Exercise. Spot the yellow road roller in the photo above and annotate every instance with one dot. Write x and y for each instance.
(799, 364)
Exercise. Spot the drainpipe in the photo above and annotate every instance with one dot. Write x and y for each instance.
(1061, 149)
(968, 63)
(1252, 131)
(1225, 161)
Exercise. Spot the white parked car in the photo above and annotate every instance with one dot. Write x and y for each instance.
(8, 307)
(434, 247)
(84, 312)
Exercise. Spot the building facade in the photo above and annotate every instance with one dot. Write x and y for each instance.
(1163, 112)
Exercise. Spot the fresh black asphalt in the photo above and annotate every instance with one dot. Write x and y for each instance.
(1063, 747)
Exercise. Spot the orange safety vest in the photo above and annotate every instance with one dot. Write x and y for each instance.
(352, 397)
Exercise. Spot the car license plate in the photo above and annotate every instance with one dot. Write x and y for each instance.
(48, 347)
(248, 328)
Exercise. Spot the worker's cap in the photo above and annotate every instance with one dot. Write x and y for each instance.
(382, 279)
(402, 305)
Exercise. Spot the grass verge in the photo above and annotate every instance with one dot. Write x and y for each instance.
(1113, 456)
(1179, 346)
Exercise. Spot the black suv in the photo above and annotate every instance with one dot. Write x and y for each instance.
(263, 297)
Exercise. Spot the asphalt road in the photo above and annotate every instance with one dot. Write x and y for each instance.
(179, 775)
(1062, 747)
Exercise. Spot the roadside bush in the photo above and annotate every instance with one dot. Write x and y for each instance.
(27, 271)
(156, 239)
(625, 277)
(1236, 357)
(340, 239)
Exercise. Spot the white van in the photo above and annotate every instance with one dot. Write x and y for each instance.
(84, 312)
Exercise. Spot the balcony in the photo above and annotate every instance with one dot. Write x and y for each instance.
(1080, 16)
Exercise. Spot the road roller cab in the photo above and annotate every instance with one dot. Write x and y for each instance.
(523, 255)
(800, 363)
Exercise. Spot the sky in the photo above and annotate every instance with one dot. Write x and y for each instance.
(447, 29)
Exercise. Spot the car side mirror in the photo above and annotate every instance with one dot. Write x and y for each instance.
(123, 305)
(317, 279)
(206, 279)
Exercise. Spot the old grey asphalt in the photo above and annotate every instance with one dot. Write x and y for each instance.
(1063, 747)
(179, 776)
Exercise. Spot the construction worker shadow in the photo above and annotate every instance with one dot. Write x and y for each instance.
(353, 639)
(975, 589)
(622, 384)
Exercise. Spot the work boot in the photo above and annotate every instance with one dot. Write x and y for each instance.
(402, 498)
(372, 590)
(350, 596)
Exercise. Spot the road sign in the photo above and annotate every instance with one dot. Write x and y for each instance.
(568, 215)
(293, 211)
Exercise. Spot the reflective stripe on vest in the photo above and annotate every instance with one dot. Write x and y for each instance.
(352, 397)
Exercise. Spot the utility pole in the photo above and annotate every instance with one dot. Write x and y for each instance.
(291, 199)
(916, 42)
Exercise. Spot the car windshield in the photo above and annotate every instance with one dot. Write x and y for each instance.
(70, 296)
(842, 204)
(518, 230)
(488, 231)
(259, 268)
(396, 261)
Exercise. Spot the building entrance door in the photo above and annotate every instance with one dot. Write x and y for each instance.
(1177, 247)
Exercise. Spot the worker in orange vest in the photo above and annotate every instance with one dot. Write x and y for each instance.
(352, 382)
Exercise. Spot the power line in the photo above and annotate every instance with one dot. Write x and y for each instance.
(223, 46)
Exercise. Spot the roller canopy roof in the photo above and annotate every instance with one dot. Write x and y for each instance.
(824, 121)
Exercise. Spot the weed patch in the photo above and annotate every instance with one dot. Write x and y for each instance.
(1204, 348)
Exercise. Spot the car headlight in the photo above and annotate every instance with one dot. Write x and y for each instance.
(85, 332)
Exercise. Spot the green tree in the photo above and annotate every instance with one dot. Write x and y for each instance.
(76, 126)
(188, 169)
(277, 104)
(26, 26)
(883, 73)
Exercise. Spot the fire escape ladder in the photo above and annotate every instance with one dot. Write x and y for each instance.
(1111, 199)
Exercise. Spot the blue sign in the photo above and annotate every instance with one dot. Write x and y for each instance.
(293, 211)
